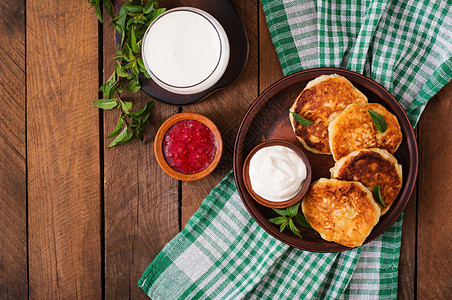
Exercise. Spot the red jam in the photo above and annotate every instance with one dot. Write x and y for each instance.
(189, 146)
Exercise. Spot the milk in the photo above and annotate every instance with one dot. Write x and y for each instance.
(185, 50)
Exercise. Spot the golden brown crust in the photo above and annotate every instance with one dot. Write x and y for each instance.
(320, 102)
(341, 211)
(354, 129)
(372, 167)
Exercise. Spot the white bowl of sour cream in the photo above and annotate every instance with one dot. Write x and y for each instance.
(185, 50)
(277, 174)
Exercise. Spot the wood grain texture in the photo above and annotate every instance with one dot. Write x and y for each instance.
(141, 201)
(13, 213)
(50, 76)
(63, 151)
(435, 199)
(226, 109)
(269, 67)
(407, 260)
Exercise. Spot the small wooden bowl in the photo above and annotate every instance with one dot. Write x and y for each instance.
(297, 198)
(158, 146)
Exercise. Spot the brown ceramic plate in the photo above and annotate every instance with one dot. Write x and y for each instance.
(267, 118)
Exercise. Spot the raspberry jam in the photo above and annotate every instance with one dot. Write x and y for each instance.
(189, 146)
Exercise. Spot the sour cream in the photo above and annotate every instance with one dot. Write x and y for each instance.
(185, 50)
(276, 173)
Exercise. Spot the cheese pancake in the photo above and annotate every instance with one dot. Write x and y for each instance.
(372, 167)
(354, 129)
(320, 102)
(341, 211)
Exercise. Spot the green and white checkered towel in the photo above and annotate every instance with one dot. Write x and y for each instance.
(406, 46)
(223, 253)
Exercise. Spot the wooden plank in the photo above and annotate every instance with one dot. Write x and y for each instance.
(141, 201)
(226, 109)
(407, 260)
(435, 199)
(269, 67)
(63, 151)
(13, 215)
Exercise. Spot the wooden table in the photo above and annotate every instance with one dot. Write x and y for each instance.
(80, 221)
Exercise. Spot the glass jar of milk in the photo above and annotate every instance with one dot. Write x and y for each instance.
(185, 50)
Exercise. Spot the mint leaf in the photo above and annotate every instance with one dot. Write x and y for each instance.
(139, 134)
(146, 117)
(277, 220)
(301, 120)
(133, 86)
(377, 196)
(121, 137)
(144, 110)
(292, 211)
(303, 222)
(281, 212)
(106, 103)
(126, 106)
(121, 72)
(140, 62)
(284, 224)
(135, 121)
(133, 8)
(96, 5)
(123, 12)
(133, 42)
(109, 87)
(108, 8)
(117, 128)
(154, 14)
(378, 120)
(148, 8)
(127, 138)
(294, 228)
(128, 51)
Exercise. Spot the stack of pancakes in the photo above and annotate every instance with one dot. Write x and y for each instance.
(343, 209)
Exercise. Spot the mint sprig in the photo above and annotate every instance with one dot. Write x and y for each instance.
(378, 120)
(285, 219)
(301, 120)
(377, 195)
(130, 124)
(131, 21)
